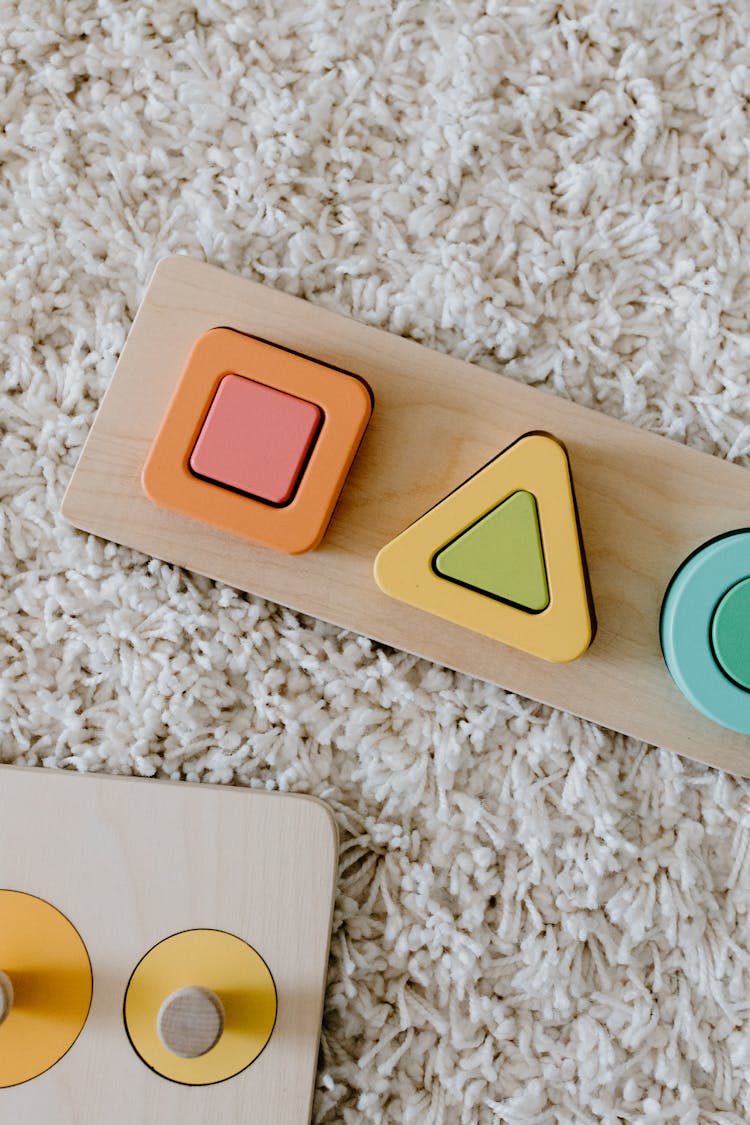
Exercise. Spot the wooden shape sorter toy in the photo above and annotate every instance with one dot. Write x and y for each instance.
(166, 470)
(163, 950)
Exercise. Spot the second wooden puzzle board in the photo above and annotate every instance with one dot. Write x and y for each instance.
(138, 868)
(644, 503)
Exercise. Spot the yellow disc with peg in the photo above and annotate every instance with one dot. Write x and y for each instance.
(45, 986)
(200, 1006)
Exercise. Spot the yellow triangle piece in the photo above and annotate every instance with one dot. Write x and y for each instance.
(405, 568)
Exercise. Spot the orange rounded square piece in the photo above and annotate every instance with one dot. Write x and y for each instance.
(305, 447)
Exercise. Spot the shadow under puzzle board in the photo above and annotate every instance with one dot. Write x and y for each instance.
(131, 862)
(645, 503)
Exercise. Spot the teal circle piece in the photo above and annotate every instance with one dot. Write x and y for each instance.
(730, 633)
(687, 618)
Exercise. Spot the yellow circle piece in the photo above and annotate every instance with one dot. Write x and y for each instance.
(226, 965)
(46, 961)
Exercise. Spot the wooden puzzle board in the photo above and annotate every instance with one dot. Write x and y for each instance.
(645, 503)
(130, 862)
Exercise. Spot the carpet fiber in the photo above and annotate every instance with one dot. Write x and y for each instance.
(537, 921)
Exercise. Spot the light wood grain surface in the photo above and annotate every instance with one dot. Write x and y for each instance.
(645, 502)
(130, 862)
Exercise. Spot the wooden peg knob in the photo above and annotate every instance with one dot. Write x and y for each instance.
(6, 996)
(190, 1022)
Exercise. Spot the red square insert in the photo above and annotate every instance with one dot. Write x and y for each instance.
(255, 439)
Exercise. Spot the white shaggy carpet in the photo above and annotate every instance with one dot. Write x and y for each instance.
(537, 921)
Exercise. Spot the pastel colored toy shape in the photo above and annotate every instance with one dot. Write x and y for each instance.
(730, 634)
(47, 986)
(705, 630)
(257, 441)
(502, 555)
(229, 974)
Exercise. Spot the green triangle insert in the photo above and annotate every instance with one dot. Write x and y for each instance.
(501, 555)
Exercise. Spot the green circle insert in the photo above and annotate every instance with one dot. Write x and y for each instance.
(730, 633)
